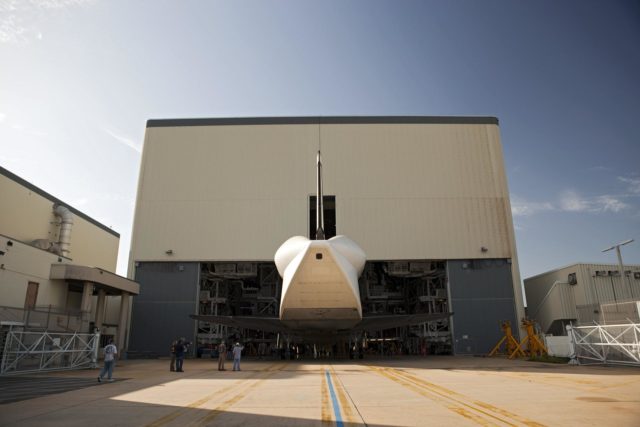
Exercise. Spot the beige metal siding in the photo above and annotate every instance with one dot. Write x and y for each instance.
(550, 297)
(27, 216)
(92, 246)
(567, 301)
(538, 286)
(22, 264)
(599, 289)
(402, 190)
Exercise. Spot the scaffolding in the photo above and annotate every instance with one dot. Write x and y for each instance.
(386, 287)
(27, 352)
(617, 344)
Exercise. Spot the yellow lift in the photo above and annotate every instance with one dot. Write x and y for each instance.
(515, 348)
(535, 346)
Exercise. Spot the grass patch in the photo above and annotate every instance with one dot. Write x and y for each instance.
(549, 359)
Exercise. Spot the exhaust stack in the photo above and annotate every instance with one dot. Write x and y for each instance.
(66, 222)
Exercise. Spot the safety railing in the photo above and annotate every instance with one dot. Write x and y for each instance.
(48, 318)
(617, 344)
(26, 352)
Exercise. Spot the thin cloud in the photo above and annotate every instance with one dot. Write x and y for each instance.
(608, 203)
(101, 197)
(569, 201)
(124, 140)
(79, 202)
(13, 161)
(633, 184)
(573, 202)
(58, 4)
(521, 207)
(20, 19)
(20, 128)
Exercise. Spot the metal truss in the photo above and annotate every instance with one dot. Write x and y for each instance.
(605, 344)
(27, 352)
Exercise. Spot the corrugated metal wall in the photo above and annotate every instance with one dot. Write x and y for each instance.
(422, 191)
(168, 295)
(481, 298)
(27, 215)
(580, 301)
(610, 288)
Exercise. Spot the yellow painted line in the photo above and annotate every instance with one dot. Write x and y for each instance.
(175, 414)
(622, 384)
(483, 408)
(488, 410)
(235, 399)
(436, 398)
(324, 397)
(342, 397)
(470, 416)
(558, 380)
(488, 406)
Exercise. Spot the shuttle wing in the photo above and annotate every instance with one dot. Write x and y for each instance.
(376, 323)
(267, 324)
(368, 323)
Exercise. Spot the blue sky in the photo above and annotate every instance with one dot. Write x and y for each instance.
(79, 79)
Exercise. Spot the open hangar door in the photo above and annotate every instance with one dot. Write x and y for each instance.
(406, 287)
(386, 287)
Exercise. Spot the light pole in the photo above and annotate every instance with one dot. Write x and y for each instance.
(621, 266)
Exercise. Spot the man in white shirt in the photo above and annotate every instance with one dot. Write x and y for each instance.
(110, 352)
(237, 353)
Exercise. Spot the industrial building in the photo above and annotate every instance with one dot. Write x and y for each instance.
(582, 294)
(57, 266)
(426, 198)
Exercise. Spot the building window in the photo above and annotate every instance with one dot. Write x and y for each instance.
(329, 205)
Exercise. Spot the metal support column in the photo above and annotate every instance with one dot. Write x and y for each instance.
(122, 322)
(100, 308)
(85, 305)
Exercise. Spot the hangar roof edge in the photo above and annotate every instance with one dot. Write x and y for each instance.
(53, 199)
(228, 121)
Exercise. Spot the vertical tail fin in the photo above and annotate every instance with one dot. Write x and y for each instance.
(319, 205)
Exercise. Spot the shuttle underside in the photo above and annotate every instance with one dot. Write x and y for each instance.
(320, 283)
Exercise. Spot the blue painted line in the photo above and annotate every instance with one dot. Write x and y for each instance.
(334, 400)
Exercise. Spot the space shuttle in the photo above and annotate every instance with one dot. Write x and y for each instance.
(320, 294)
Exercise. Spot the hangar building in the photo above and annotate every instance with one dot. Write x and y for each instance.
(425, 197)
(583, 293)
(57, 266)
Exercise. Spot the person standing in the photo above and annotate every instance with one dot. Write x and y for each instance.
(180, 350)
(110, 352)
(237, 354)
(222, 355)
(172, 365)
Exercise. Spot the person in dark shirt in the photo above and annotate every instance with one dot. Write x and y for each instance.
(181, 349)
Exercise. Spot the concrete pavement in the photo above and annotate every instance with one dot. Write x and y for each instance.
(402, 391)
